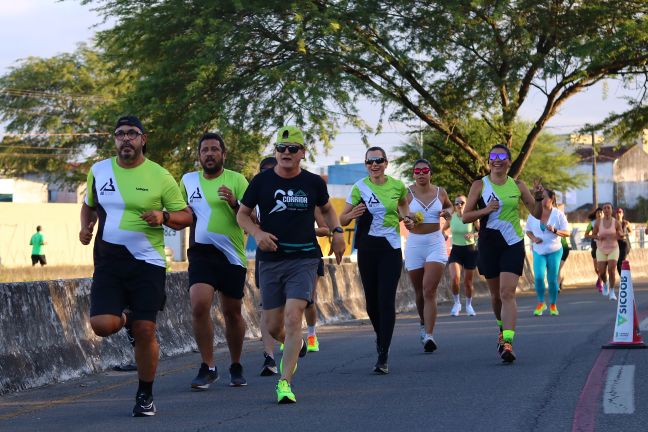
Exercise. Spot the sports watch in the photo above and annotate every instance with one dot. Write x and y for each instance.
(337, 229)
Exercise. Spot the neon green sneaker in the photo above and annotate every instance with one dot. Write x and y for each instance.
(281, 347)
(553, 310)
(313, 344)
(540, 307)
(284, 393)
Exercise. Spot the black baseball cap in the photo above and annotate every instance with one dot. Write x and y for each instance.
(130, 121)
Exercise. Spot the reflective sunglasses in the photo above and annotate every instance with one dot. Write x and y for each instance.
(496, 156)
(459, 203)
(418, 171)
(375, 160)
(281, 148)
(131, 134)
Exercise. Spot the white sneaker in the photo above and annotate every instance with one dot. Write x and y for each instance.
(612, 295)
(456, 308)
(429, 345)
(606, 289)
(470, 311)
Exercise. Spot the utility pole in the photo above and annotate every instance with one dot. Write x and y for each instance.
(594, 179)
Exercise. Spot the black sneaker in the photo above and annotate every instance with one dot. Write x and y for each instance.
(204, 378)
(269, 366)
(236, 375)
(381, 367)
(303, 349)
(128, 326)
(429, 345)
(144, 406)
(507, 355)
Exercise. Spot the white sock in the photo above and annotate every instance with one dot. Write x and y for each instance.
(468, 301)
(311, 330)
(428, 336)
(457, 299)
(212, 368)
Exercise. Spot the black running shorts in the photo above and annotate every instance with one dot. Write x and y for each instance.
(210, 266)
(466, 256)
(497, 256)
(118, 284)
(565, 254)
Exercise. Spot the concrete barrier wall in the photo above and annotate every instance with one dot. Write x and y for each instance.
(45, 335)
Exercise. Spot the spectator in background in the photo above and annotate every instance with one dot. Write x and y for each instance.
(37, 242)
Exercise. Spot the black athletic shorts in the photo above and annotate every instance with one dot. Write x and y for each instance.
(465, 256)
(118, 284)
(565, 254)
(38, 259)
(497, 256)
(593, 250)
(210, 266)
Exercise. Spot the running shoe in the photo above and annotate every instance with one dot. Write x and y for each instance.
(284, 393)
(128, 327)
(428, 344)
(470, 311)
(553, 310)
(599, 285)
(269, 365)
(144, 406)
(606, 289)
(381, 367)
(204, 378)
(304, 349)
(612, 294)
(281, 347)
(500, 343)
(313, 344)
(236, 375)
(421, 334)
(456, 308)
(540, 307)
(508, 356)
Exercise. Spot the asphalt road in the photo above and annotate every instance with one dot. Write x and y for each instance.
(463, 386)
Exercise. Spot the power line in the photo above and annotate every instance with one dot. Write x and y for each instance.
(22, 135)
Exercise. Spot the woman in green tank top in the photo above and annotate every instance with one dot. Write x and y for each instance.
(463, 255)
(495, 199)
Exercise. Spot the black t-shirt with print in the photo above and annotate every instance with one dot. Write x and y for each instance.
(287, 210)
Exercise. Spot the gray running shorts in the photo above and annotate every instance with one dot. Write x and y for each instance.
(287, 279)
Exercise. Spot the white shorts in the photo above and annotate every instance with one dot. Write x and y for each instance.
(422, 248)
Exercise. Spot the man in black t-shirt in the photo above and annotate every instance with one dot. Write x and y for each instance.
(288, 254)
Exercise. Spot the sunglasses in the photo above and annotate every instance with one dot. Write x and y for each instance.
(496, 156)
(418, 171)
(459, 203)
(375, 160)
(131, 134)
(281, 148)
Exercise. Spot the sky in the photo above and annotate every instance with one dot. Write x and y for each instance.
(44, 28)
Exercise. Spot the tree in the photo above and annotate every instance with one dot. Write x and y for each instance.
(56, 111)
(259, 64)
(447, 172)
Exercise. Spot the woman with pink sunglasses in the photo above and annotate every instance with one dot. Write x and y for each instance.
(425, 252)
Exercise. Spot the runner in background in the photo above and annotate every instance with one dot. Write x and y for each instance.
(593, 216)
(607, 231)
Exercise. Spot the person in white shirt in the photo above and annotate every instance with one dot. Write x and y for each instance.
(545, 236)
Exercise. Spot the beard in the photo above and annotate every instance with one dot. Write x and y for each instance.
(213, 169)
(133, 154)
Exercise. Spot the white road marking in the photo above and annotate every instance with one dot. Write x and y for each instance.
(618, 397)
(643, 325)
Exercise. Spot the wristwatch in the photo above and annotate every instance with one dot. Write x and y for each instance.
(165, 217)
(337, 229)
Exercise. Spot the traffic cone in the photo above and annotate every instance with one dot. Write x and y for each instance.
(626, 325)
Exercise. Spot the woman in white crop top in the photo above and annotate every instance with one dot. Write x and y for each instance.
(425, 251)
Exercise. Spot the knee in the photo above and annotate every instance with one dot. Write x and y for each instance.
(293, 320)
(144, 331)
(429, 293)
(232, 314)
(201, 310)
(104, 327)
(508, 295)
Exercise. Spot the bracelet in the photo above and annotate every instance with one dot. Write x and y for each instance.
(165, 217)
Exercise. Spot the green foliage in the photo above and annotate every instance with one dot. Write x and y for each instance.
(453, 171)
(55, 110)
(256, 65)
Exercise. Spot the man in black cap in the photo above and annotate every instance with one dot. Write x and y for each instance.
(132, 197)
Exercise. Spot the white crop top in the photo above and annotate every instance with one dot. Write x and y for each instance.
(430, 212)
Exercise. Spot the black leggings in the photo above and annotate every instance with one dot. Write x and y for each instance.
(624, 249)
(380, 271)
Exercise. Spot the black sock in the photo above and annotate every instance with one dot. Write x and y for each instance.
(145, 387)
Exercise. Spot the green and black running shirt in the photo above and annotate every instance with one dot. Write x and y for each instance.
(120, 196)
(215, 221)
(379, 226)
(506, 219)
